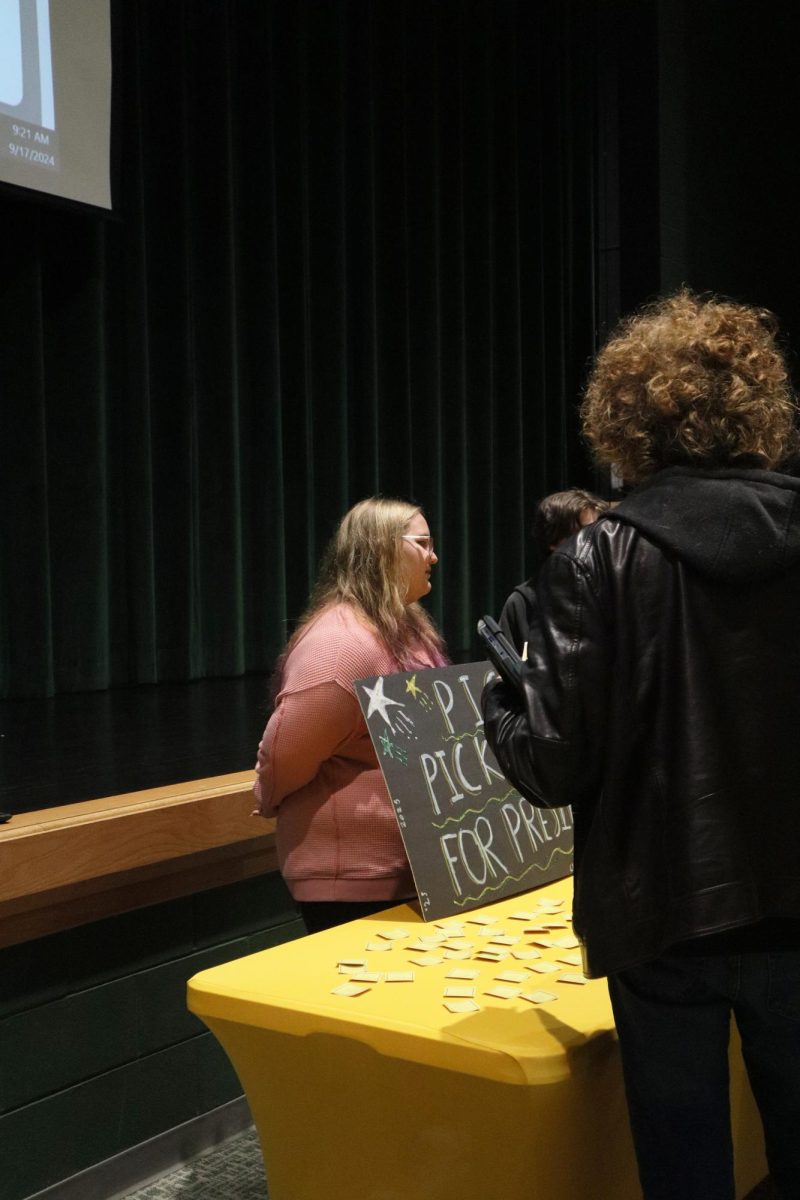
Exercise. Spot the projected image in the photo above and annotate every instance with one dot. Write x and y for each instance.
(26, 82)
(11, 88)
(26, 71)
(55, 98)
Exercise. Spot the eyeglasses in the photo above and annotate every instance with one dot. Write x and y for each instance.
(425, 540)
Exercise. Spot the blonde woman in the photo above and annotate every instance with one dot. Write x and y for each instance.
(339, 846)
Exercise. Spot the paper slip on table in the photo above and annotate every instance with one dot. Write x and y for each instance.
(368, 1076)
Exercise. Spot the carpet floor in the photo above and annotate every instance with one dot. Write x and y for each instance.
(234, 1171)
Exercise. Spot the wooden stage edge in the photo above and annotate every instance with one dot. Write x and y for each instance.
(67, 866)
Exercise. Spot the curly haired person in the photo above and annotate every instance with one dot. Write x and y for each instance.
(660, 701)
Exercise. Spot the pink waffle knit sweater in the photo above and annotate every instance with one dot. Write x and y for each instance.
(317, 772)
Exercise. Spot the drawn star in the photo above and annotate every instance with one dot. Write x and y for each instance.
(379, 703)
(411, 686)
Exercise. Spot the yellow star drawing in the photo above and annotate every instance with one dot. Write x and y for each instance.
(411, 686)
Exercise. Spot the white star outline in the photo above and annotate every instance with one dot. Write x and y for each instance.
(378, 702)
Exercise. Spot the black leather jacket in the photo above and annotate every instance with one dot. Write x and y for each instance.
(662, 701)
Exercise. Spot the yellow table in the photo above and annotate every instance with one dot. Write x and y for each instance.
(387, 1095)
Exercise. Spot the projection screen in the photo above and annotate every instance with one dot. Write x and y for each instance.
(55, 97)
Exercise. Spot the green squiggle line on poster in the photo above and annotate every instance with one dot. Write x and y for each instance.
(516, 878)
(473, 811)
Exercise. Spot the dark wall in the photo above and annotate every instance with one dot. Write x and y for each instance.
(98, 1052)
(353, 251)
(729, 125)
(358, 247)
(628, 157)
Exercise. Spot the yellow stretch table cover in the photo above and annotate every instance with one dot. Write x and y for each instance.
(389, 1096)
(288, 989)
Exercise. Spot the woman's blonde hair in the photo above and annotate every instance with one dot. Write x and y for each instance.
(690, 381)
(363, 566)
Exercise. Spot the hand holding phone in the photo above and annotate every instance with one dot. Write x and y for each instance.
(502, 654)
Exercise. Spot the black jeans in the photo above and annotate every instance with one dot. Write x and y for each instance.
(673, 1020)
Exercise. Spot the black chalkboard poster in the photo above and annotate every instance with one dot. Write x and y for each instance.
(469, 835)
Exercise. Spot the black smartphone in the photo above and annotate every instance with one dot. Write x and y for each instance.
(502, 653)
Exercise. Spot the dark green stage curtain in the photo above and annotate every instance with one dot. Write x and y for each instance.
(354, 252)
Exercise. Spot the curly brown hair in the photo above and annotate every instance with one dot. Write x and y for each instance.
(690, 381)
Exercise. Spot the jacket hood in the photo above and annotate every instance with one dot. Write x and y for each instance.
(733, 525)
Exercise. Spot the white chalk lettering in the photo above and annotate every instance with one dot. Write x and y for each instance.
(445, 698)
(482, 844)
(528, 813)
(488, 770)
(485, 845)
(434, 767)
(450, 860)
(456, 795)
(428, 764)
(475, 854)
(464, 681)
(513, 823)
(458, 770)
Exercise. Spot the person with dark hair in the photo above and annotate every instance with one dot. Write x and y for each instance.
(557, 517)
(659, 701)
(339, 844)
